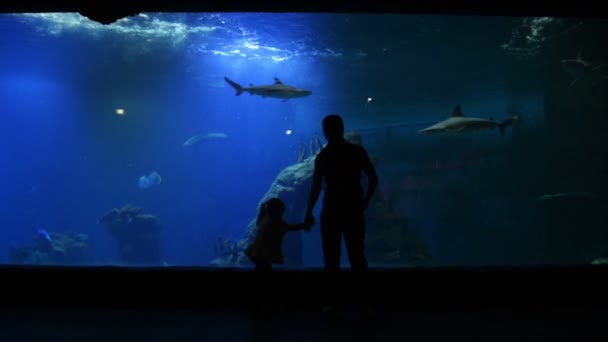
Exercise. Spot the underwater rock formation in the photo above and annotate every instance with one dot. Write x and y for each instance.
(137, 235)
(392, 238)
(226, 251)
(565, 153)
(315, 147)
(391, 241)
(354, 137)
(292, 185)
(57, 249)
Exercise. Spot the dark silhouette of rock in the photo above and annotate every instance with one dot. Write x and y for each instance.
(137, 235)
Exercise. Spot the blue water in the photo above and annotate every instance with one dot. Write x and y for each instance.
(67, 158)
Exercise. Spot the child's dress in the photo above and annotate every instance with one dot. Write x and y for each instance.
(268, 244)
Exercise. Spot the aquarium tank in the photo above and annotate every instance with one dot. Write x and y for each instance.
(153, 141)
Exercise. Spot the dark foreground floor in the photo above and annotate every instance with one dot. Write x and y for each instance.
(114, 326)
(396, 290)
(177, 304)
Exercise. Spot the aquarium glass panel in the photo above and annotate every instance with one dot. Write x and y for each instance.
(156, 140)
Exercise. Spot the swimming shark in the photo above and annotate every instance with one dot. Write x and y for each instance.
(277, 90)
(196, 138)
(457, 123)
(580, 70)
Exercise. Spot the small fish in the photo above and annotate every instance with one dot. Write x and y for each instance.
(319, 142)
(565, 195)
(194, 139)
(44, 234)
(277, 90)
(600, 261)
(150, 180)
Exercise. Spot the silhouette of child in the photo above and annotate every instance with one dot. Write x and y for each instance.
(267, 248)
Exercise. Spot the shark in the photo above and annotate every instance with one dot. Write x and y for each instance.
(277, 90)
(196, 138)
(457, 123)
(581, 70)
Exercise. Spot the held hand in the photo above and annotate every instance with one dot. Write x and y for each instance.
(309, 221)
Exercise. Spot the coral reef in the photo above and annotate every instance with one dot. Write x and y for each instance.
(61, 249)
(391, 241)
(315, 146)
(392, 238)
(600, 261)
(225, 251)
(137, 235)
(354, 137)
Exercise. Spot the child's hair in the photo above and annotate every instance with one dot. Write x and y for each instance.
(274, 207)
